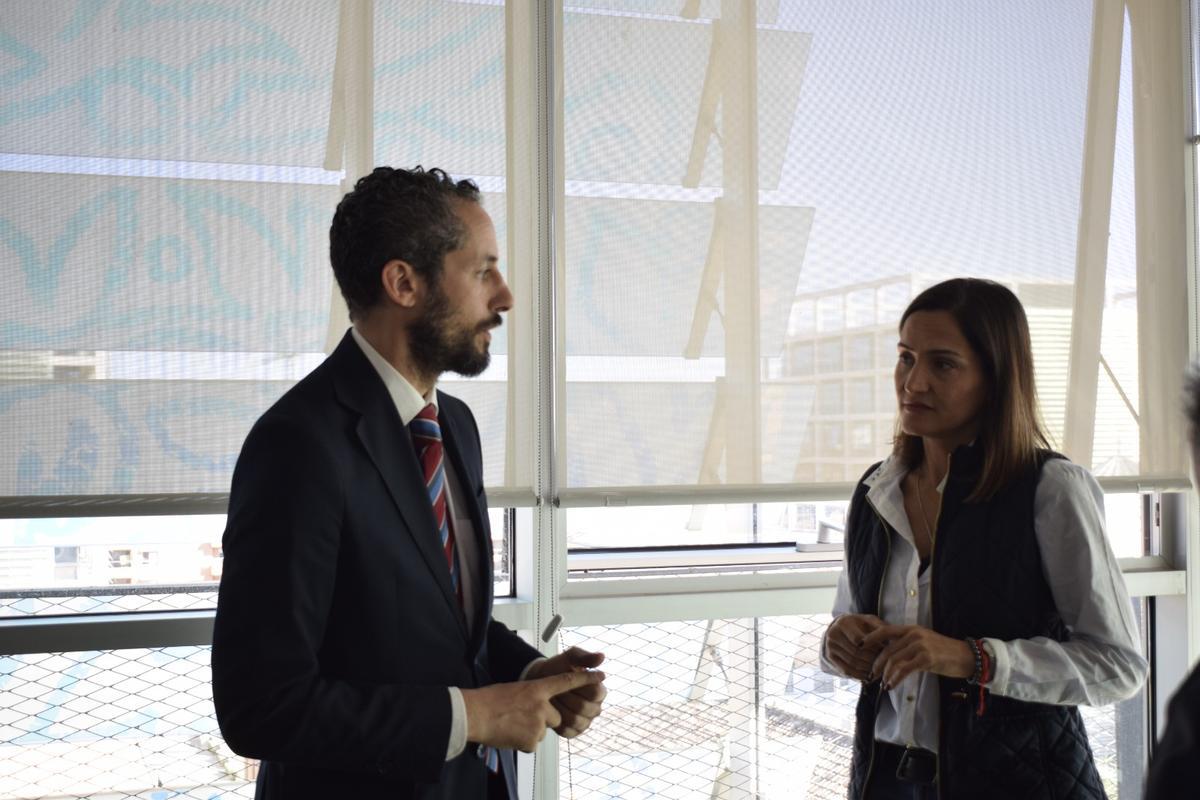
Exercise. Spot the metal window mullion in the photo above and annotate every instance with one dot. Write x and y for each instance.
(150, 505)
(86, 632)
(633, 496)
(540, 101)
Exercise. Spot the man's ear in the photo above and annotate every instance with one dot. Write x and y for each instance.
(402, 284)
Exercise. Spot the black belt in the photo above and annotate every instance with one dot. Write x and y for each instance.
(911, 764)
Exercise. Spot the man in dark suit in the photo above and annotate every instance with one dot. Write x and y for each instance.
(354, 651)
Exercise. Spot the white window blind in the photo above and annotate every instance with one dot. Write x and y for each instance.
(734, 285)
(753, 192)
(440, 102)
(164, 271)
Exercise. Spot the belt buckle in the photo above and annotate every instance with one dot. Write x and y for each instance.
(917, 766)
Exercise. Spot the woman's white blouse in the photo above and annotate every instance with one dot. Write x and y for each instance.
(1100, 663)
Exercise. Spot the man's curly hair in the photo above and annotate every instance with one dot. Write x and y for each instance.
(395, 214)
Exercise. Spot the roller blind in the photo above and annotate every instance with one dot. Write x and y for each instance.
(164, 272)
(754, 195)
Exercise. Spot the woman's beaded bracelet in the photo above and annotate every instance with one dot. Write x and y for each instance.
(977, 651)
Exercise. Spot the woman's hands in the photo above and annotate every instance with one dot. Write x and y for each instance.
(901, 650)
(844, 644)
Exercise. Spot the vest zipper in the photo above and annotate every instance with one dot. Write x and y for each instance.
(878, 609)
(937, 520)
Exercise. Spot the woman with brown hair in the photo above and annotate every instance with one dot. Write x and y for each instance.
(980, 602)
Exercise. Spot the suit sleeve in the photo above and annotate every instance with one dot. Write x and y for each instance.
(509, 653)
(1175, 764)
(281, 552)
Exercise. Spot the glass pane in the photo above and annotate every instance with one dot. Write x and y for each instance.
(860, 395)
(172, 280)
(802, 361)
(237, 84)
(698, 708)
(862, 438)
(859, 353)
(830, 316)
(829, 356)
(814, 527)
(116, 723)
(829, 397)
(131, 392)
(1194, 15)
(92, 565)
(1117, 735)
(106, 564)
(664, 196)
(439, 102)
(503, 535)
(860, 309)
(643, 172)
(1116, 448)
(803, 318)
(1124, 523)
(701, 525)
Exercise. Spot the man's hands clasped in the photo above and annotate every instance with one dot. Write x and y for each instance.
(564, 694)
(576, 707)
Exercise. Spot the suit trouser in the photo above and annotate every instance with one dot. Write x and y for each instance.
(497, 788)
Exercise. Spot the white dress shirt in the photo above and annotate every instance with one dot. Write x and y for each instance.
(1099, 664)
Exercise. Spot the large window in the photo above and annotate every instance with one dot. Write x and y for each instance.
(699, 707)
(712, 214)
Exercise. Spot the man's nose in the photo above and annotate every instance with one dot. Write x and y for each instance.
(503, 300)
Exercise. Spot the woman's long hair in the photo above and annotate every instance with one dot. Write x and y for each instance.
(1010, 425)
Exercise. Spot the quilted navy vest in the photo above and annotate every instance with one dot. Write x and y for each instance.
(987, 581)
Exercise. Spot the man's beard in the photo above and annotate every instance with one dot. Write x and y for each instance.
(438, 344)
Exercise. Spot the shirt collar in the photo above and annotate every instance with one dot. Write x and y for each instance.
(405, 396)
(886, 476)
(884, 487)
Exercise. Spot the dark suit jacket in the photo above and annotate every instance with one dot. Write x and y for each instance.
(337, 630)
(1175, 769)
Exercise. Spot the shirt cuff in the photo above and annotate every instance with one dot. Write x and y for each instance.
(529, 666)
(1001, 665)
(458, 724)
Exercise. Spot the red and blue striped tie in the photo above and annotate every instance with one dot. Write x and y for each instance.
(427, 439)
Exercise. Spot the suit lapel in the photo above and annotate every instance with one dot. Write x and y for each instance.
(452, 436)
(389, 445)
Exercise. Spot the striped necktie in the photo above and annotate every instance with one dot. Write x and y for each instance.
(427, 439)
